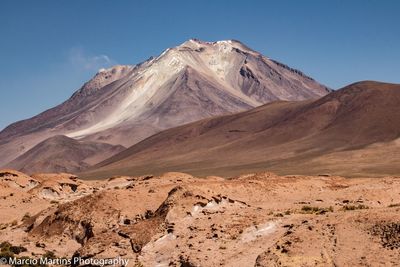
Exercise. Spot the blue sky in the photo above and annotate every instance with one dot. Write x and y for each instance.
(48, 49)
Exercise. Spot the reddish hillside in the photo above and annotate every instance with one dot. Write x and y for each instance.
(352, 125)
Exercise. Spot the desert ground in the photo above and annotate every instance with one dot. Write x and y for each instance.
(175, 219)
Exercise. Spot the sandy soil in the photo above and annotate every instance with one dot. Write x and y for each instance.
(179, 220)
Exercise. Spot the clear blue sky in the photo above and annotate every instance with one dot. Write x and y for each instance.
(48, 49)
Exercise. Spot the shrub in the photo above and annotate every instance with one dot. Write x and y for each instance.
(355, 207)
(49, 255)
(315, 210)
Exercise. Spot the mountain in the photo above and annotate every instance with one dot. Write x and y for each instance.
(195, 80)
(63, 154)
(353, 131)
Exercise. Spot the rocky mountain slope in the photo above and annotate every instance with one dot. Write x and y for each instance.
(346, 132)
(195, 80)
(179, 220)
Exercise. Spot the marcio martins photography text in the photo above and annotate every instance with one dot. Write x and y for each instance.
(76, 261)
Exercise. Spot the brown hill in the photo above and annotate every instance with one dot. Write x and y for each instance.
(63, 154)
(346, 132)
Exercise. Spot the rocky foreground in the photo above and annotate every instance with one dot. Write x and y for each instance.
(179, 220)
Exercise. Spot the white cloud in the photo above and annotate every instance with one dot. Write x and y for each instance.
(79, 58)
